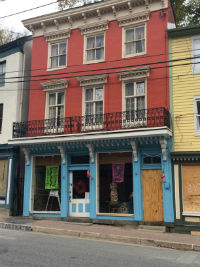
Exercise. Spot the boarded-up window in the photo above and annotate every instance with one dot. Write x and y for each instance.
(191, 187)
(3, 176)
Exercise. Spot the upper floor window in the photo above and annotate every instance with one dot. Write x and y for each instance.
(2, 73)
(95, 48)
(58, 54)
(196, 54)
(55, 106)
(197, 114)
(134, 41)
(1, 116)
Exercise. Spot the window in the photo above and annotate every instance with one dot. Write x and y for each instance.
(1, 116)
(95, 48)
(197, 114)
(134, 40)
(135, 100)
(196, 55)
(94, 106)
(55, 109)
(58, 55)
(2, 73)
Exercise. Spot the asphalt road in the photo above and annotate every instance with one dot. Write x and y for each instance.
(26, 249)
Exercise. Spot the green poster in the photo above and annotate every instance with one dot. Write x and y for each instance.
(51, 179)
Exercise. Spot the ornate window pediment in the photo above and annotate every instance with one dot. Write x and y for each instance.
(55, 85)
(133, 74)
(94, 28)
(134, 19)
(57, 36)
(92, 80)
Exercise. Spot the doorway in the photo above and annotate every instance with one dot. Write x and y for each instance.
(79, 194)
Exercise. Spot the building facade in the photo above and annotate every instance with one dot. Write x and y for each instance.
(185, 102)
(15, 62)
(98, 133)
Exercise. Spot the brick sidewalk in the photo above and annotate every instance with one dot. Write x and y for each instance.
(105, 232)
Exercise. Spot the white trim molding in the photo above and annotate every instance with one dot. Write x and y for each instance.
(91, 152)
(134, 148)
(134, 74)
(55, 85)
(57, 36)
(133, 20)
(62, 153)
(93, 80)
(94, 28)
(192, 213)
(27, 155)
(163, 143)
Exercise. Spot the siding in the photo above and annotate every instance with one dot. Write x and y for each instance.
(185, 87)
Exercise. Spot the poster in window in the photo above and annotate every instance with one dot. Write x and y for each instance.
(51, 179)
(118, 173)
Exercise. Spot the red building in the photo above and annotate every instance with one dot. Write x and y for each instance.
(98, 113)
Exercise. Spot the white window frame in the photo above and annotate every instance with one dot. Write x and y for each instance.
(49, 68)
(85, 61)
(196, 127)
(3, 74)
(129, 123)
(124, 55)
(195, 67)
(86, 127)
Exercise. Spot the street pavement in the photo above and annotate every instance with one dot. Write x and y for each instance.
(103, 232)
(22, 249)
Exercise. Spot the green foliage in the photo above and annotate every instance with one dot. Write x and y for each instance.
(64, 4)
(7, 36)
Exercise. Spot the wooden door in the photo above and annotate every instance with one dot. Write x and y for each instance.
(152, 195)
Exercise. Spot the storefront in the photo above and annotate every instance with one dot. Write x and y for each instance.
(122, 179)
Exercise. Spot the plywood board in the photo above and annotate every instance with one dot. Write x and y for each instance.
(191, 187)
(3, 176)
(152, 195)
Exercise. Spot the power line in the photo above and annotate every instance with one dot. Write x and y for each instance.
(27, 10)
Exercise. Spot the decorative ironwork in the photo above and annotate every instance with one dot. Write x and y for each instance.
(146, 118)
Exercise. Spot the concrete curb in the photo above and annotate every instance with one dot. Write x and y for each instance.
(14, 226)
(118, 238)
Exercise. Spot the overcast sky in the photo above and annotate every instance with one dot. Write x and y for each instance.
(13, 23)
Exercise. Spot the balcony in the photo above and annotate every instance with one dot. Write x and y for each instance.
(146, 118)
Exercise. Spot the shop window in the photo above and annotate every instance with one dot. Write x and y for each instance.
(2, 73)
(115, 183)
(80, 159)
(3, 177)
(46, 184)
(152, 160)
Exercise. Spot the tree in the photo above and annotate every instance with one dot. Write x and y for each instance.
(8, 36)
(62, 4)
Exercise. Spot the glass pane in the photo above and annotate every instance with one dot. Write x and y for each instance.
(129, 89)
(89, 109)
(2, 68)
(60, 112)
(130, 48)
(89, 94)
(139, 46)
(99, 107)
(91, 55)
(196, 47)
(60, 98)
(129, 35)
(198, 107)
(140, 103)
(52, 112)
(129, 104)
(54, 62)
(62, 49)
(62, 60)
(90, 42)
(99, 94)
(99, 53)
(139, 33)
(54, 50)
(140, 89)
(52, 99)
(100, 41)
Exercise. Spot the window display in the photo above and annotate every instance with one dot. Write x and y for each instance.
(115, 183)
(46, 183)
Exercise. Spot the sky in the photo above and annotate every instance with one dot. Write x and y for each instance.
(14, 23)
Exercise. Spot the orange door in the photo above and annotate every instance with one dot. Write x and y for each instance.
(152, 195)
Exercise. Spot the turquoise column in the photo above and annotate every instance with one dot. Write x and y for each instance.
(64, 188)
(167, 186)
(137, 186)
(27, 188)
(93, 187)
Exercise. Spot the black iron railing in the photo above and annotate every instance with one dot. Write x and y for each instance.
(146, 118)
